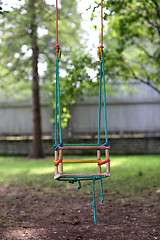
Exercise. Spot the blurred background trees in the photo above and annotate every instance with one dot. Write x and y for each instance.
(27, 56)
(133, 40)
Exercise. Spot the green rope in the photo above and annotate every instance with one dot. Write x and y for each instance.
(56, 108)
(101, 183)
(104, 91)
(94, 202)
(100, 91)
(59, 105)
(102, 75)
(81, 145)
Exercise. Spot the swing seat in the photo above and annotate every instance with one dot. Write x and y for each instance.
(80, 176)
(61, 176)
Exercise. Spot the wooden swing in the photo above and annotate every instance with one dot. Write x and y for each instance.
(60, 147)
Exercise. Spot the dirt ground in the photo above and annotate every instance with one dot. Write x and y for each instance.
(38, 214)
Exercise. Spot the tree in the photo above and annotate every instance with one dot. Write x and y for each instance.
(133, 40)
(37, 151)
(28, 40)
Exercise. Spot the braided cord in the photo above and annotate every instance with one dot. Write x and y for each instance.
(100, 97)
(56, 89)
(59, 104)
(94, 202)
(105, 103)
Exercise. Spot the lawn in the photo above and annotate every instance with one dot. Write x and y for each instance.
(35, 206)
(130, 174)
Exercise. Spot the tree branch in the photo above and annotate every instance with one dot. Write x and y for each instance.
(140, 80)
(146, 52)
(154, 24)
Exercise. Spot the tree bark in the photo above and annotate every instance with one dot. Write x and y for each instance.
(37, 151)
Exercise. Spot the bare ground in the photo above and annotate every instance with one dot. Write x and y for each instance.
(37, 214)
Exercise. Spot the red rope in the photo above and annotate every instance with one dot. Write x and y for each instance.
(58, 162)
(102, 23)
(57, 22)
(103, 162)
(100, 48)
(57, 47)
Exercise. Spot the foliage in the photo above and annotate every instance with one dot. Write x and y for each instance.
(131, 175)
(16, 49)
(133, 40)
(76, 83)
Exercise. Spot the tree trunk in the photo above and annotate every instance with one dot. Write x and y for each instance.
(37, 151)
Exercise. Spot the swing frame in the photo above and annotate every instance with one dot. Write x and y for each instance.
(59, 174)
(59, 161)
(59, 148)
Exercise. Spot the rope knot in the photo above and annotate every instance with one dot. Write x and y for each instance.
(58, 51)
(100, 52)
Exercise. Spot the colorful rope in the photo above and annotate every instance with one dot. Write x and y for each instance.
(73, 180)
(58, 113)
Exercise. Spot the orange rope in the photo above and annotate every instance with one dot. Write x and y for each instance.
(57, 22)
(57, 47)
(100, 48)
(102, 23)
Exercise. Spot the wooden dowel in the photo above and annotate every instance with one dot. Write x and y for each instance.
(98, 154)
(83, 147)
(61, 167)
(56, 158)
(60, 154)
(108, 163)
(98, 158)
(56, 155)
(99, 169)
(61, 164)
(107, 154)
(108, 167)
(56, 170)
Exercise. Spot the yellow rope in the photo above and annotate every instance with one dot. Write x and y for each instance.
(79, 161)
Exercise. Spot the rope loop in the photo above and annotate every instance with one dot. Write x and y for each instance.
(58, 51)
(56, 147)
(100, 52)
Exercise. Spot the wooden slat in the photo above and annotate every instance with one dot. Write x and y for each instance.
(59, 176)
(83, 147)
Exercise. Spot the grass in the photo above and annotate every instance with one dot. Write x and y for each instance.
(130, 174)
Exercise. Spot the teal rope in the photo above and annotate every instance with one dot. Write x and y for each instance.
(83, 145)
(94, 202)
(101, 183)
(104, 91)
(100, 91)
(56, 107)
(59, 105)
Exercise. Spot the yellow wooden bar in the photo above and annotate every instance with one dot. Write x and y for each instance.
(80, 161)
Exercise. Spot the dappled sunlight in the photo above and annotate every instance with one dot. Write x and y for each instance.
(40, 171)
(158, 191)
(19, 233)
